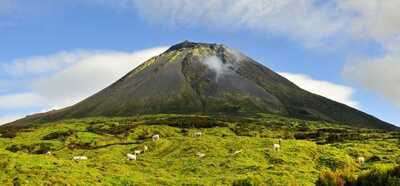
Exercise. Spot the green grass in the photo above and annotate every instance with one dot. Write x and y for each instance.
(173, 161)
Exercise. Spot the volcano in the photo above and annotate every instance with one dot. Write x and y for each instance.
(202, 78)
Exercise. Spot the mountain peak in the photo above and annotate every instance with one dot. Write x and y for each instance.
(189, 45)
(192, 78)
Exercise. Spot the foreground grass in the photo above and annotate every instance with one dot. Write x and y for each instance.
(307, 149)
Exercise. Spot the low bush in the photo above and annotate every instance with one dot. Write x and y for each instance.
(389, 177)
(249, 181)
(60, 135)
(375, 177)
(8, 133)
(330, 178)
(37, 148)
(110, 128)
(188, 122)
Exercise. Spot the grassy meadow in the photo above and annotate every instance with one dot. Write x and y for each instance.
(312, 152)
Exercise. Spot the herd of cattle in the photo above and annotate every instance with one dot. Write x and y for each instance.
(133, 156)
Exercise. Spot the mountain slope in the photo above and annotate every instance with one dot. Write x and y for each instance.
(207, 78)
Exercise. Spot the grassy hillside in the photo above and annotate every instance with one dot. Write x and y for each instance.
(308, 149)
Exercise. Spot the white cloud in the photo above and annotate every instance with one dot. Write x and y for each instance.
(45, 64)
(73, 76)
(310, 21)
(381, 75)
(305, 20)
(89, 75)
(379, 21)
(300, 19)
(376, 19)
(336, 92)
(20, 100)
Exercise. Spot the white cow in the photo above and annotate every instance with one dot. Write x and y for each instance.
(276, 146)
(137, 152)
(77, 158)
(200, 155)
(237, 152)
(48, 153)
(156, 137)
(360, 160)
(198, 134)
(145, 148)
(131, 156)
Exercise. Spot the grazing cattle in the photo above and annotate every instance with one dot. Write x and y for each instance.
(137, 152)
(200, 155)
(156, 137)
(145, 148)
(360, 160)
(237, 152)
(198, 134)
(131, 156)
(77, 158)
(48, 153)
(276, 146)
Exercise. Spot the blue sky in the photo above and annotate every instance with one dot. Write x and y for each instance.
(56, 54)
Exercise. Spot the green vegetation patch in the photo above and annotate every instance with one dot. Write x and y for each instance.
(198, 150)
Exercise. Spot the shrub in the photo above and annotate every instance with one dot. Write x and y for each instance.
(374, 158)
(380, 177)
(343, 177)
(249, 181)
(38, 148)
(110, 128)
(83, 145)
(188, 122)
(372, 178)
(60, 135)
(4, 161)
(329, 178)
(306, 135)
(334, 138)
(8, 133)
